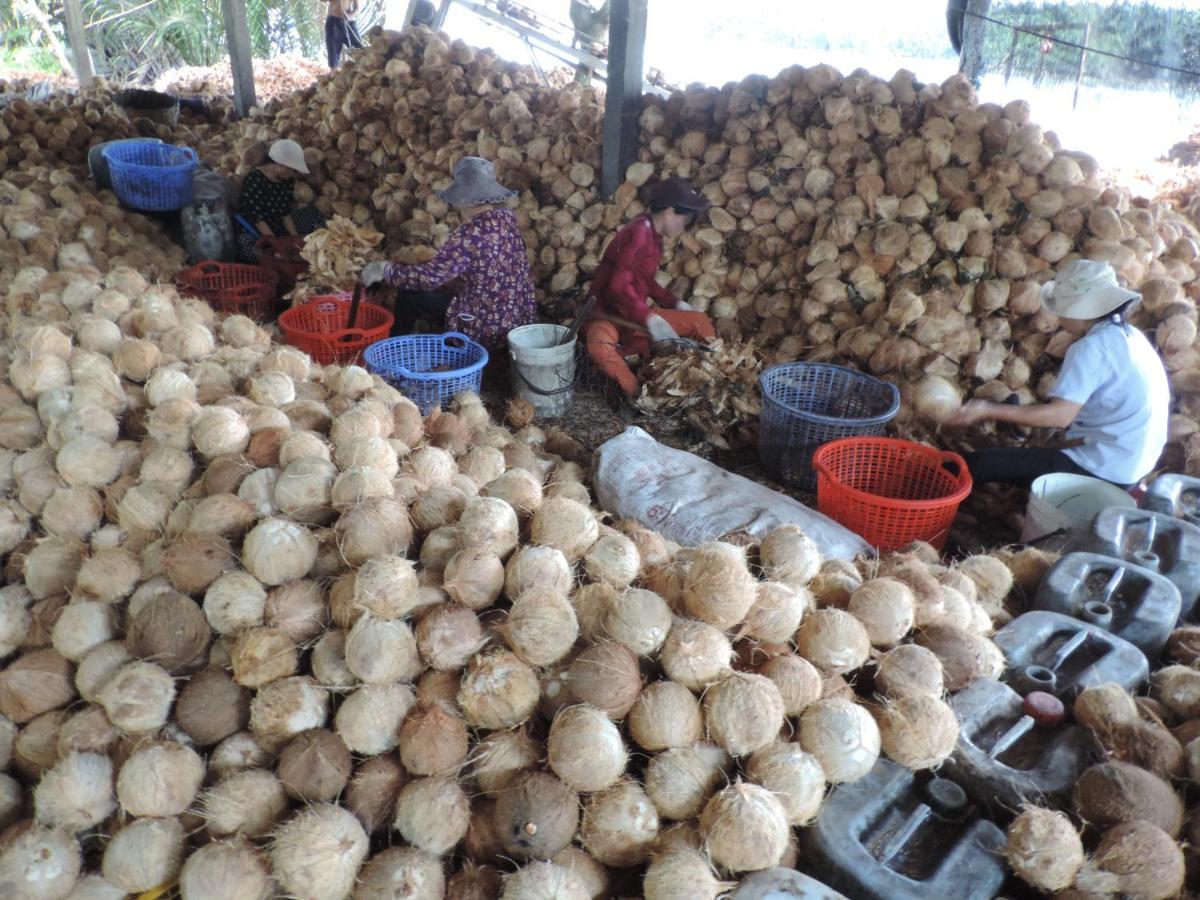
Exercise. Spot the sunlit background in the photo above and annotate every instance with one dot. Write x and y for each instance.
(715, 41)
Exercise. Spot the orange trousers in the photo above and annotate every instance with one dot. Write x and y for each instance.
(608, 343)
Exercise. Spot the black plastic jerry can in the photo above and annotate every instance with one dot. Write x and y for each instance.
(1156, 541)
(1009, 755)
(1176, 495)
(1136, 604)
(1052, 652)
(898, 836)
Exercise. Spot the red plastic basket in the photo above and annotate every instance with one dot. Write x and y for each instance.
(281, 255)
(231, 288)
(319, 328)
(890, 492)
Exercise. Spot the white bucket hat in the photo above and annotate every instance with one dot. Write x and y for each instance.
(474, 184)
(290, 154)
(1085, 289)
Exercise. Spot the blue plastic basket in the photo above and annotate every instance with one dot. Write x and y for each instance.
(409, 363)
(151, 177)
(805, 405)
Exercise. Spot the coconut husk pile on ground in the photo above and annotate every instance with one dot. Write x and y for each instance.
(337, 253)
(275, 77)
(896, 227)
(266, 629)
(714, 390)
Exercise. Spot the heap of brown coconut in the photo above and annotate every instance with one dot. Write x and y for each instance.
(897, 227)
(262, 620)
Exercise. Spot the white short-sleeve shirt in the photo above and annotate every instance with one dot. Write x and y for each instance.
(1119, 379)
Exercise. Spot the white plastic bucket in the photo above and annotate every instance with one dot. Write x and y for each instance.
(543, 371)
(1067, 503)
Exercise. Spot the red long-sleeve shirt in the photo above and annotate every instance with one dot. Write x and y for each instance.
(625, 277)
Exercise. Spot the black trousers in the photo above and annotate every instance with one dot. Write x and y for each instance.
(411, 306)
(339, 34)
(1019, 465)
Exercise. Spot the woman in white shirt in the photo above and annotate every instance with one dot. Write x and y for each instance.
(1111, 395)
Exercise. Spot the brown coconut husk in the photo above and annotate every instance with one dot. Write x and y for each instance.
(171, 631)
(918, 731)
(194, 561)
(502, 758)
(372, 792)
(1102, 707)
(537, 817)
(607, 676)
(211, 707)
(743, 712)
(745, 828)
(1148, 745)
(585, 749)
(1114, 792)
(1183, 645)
(433, 741)
(964, 656)
(680, 781)
(619, 825)
(1136, 860)
(35, 683)
(314, 767)
(665, 715)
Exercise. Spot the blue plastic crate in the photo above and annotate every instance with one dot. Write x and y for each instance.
(151, 177)
(805, 405)
(409, 363)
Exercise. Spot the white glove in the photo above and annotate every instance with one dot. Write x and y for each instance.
(684, 306)
(659, 329)
(373, 273)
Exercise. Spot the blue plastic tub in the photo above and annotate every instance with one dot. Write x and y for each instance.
(151, 177)
(411, 365)
(805, 405)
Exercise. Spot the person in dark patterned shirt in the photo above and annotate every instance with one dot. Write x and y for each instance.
(485, 257)
(268, 200)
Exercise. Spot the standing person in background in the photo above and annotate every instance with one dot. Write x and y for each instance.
(340, 30)
(590, 20)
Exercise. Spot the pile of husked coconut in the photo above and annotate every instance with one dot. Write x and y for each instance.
(267, 630)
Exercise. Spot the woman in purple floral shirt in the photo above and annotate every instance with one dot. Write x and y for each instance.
(485, 256)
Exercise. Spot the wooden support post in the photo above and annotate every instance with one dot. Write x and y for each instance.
(439, 18)
(1087, 33)
(1012, 56)
(237, 39)
(623, 95)
(79, 47)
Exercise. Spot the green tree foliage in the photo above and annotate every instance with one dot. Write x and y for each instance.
(1141, 32)
(133, 40)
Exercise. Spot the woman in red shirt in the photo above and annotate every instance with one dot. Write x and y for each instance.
(623, 322)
